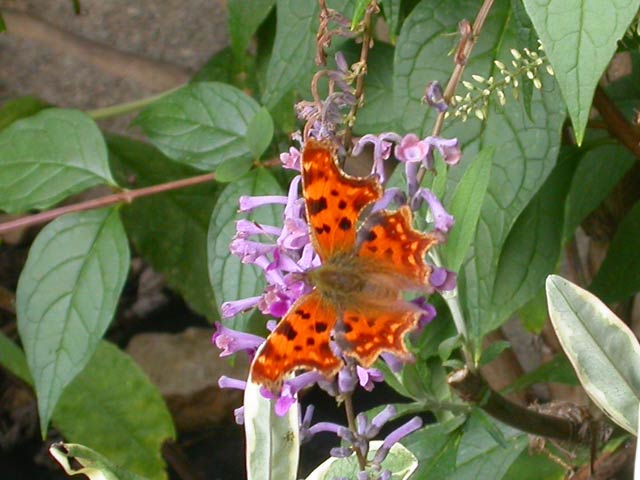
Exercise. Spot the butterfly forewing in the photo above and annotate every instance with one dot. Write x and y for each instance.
(334, 200)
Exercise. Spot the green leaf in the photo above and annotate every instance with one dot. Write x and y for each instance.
(259, 132)
(533, 246)
(66, 297)
(448, 346)
(202, 124)
(244, 19)
(12, 358)
(293, 50)
(400, 461)
(3, 26)
(480, 455)
(533, 314)
(18, 108)
(603, 350)
(466, 203)
(273, 442)
(92, 464)
(619, 274)
(378, 114)
(358, 12)
(556, 370)
(600, 169)
(169, 229)
(534, 467)
(492, 352)
(528, 149)
(113, 408)
(579, 38)
(435, 447)
(219, 68)
(232, 169)
(49, 156)
(230, 279)
(391, 10)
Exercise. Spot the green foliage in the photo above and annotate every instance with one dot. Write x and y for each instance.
(201, 124)
(619, 276)
(18, 108)
(66, 298)
(229, 278)
(49, 156)
(580, 36)
(527, 147)
(170, 229)
(603, 350)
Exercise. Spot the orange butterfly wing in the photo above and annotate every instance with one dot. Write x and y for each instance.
(333, 199)
(301, 340)
(389, 239)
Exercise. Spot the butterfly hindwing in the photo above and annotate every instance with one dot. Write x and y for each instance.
(301, 340)
(390, 240)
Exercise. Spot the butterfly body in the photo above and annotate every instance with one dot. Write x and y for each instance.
(356, 303)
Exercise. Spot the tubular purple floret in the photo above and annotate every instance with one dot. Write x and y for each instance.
(247, 203)
(231, 309)
(379, 420)
(232, 341)
(398, 434)
(228, 382)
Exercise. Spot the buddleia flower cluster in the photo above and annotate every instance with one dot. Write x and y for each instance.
(525, 66)
(283, 252)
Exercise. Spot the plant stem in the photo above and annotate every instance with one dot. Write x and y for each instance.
(472, 388)
(615, 122)
(351, 422)
(126, 196)
(364, 57)
(124, 108)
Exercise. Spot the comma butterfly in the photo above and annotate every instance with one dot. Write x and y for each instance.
(357, 299)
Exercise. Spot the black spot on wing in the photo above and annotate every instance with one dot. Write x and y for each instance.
(288, 331)
(317, 205)
(321, 327)
(302, 314)
(342, 204)
(344, 224)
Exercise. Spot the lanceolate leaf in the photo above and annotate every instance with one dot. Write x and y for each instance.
(201, 124)
(619, 274)
(273, 442)
(49, 156)
(66, 297)
(465, 208)
(13, 359)
(113, 408)
(603, 350)
(169, 229)
(230, 279)
(259, 132)
(580, 37)
(527, 148)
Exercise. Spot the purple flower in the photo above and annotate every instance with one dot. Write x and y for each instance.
(289, 391)
(231, 341)
(434, 98)
(238, 413)
(228, 382)
(231, 309)
(379, 421)
(347, 381)
(448, 148)
(246, 203)
(413, 150)
(395, 364)
(390, 196)
(398, 434)
(291, 159)
(368, 376)
(442, 279)
(441, 218)
(381, 150)
(428, 310)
